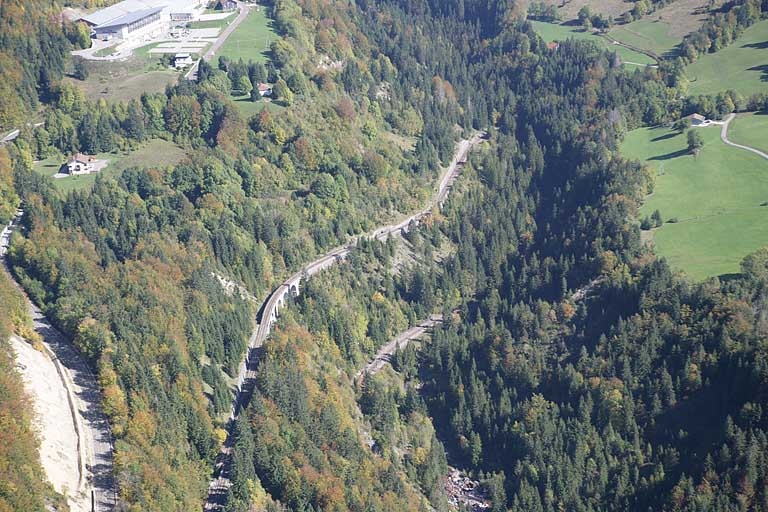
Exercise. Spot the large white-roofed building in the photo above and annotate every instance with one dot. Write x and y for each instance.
(131, 19)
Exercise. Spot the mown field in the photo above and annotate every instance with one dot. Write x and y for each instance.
(742, 66)
(251, 39)
(553, 32)
(250, 108)
(154, 153)
(714, 197)
(750, 130)
(651, 35)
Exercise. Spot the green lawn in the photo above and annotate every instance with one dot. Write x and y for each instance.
(553, 32)
(249, 108)
(715, 197)
(154, 153)
(251, 40)
(212, 23)
(742, 66)
(750, 130)
(648, 35)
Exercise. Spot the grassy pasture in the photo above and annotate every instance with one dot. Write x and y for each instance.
(750, 130)
(715, 197)
(742, 66)
(553, 32)
(650, 35)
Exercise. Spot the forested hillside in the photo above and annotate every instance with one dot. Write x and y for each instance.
(304, 437)
(128, 269)
(589, 376)
(34, 46)
(574, 371)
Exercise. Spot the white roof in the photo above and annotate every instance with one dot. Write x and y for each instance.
(127, 19)
(118, 10)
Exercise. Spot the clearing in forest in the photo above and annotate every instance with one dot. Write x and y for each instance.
(569, 10)
(652, 36)
(662, 31)
(553, 32)
(156, 153)
(126, 80)
(714, 199)
(741, 66)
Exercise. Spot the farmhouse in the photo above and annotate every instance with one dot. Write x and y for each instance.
(79, 164)
(138, 19)
(264, 89)
(697, 119)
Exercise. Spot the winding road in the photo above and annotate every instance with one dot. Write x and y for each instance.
(220, 484)
(724, 137)
(384, 355)
(94, 440)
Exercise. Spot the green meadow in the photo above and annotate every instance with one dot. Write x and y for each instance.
(552, 32)
(741, 66)
(156, 153)
(650, 35)
(750, 130)
(713, 198)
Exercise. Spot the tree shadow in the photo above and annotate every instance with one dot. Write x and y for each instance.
(724, 278)
(672, 53)
(762, 68)
(666, 136)
(669, 156)
(758, 46)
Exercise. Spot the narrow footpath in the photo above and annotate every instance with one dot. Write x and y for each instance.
(73, 379)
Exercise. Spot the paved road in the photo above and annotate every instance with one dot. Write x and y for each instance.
(724, 137)
(384, 354)
(244, 9)
(94, 438)
(246, 378)
(10, 136)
